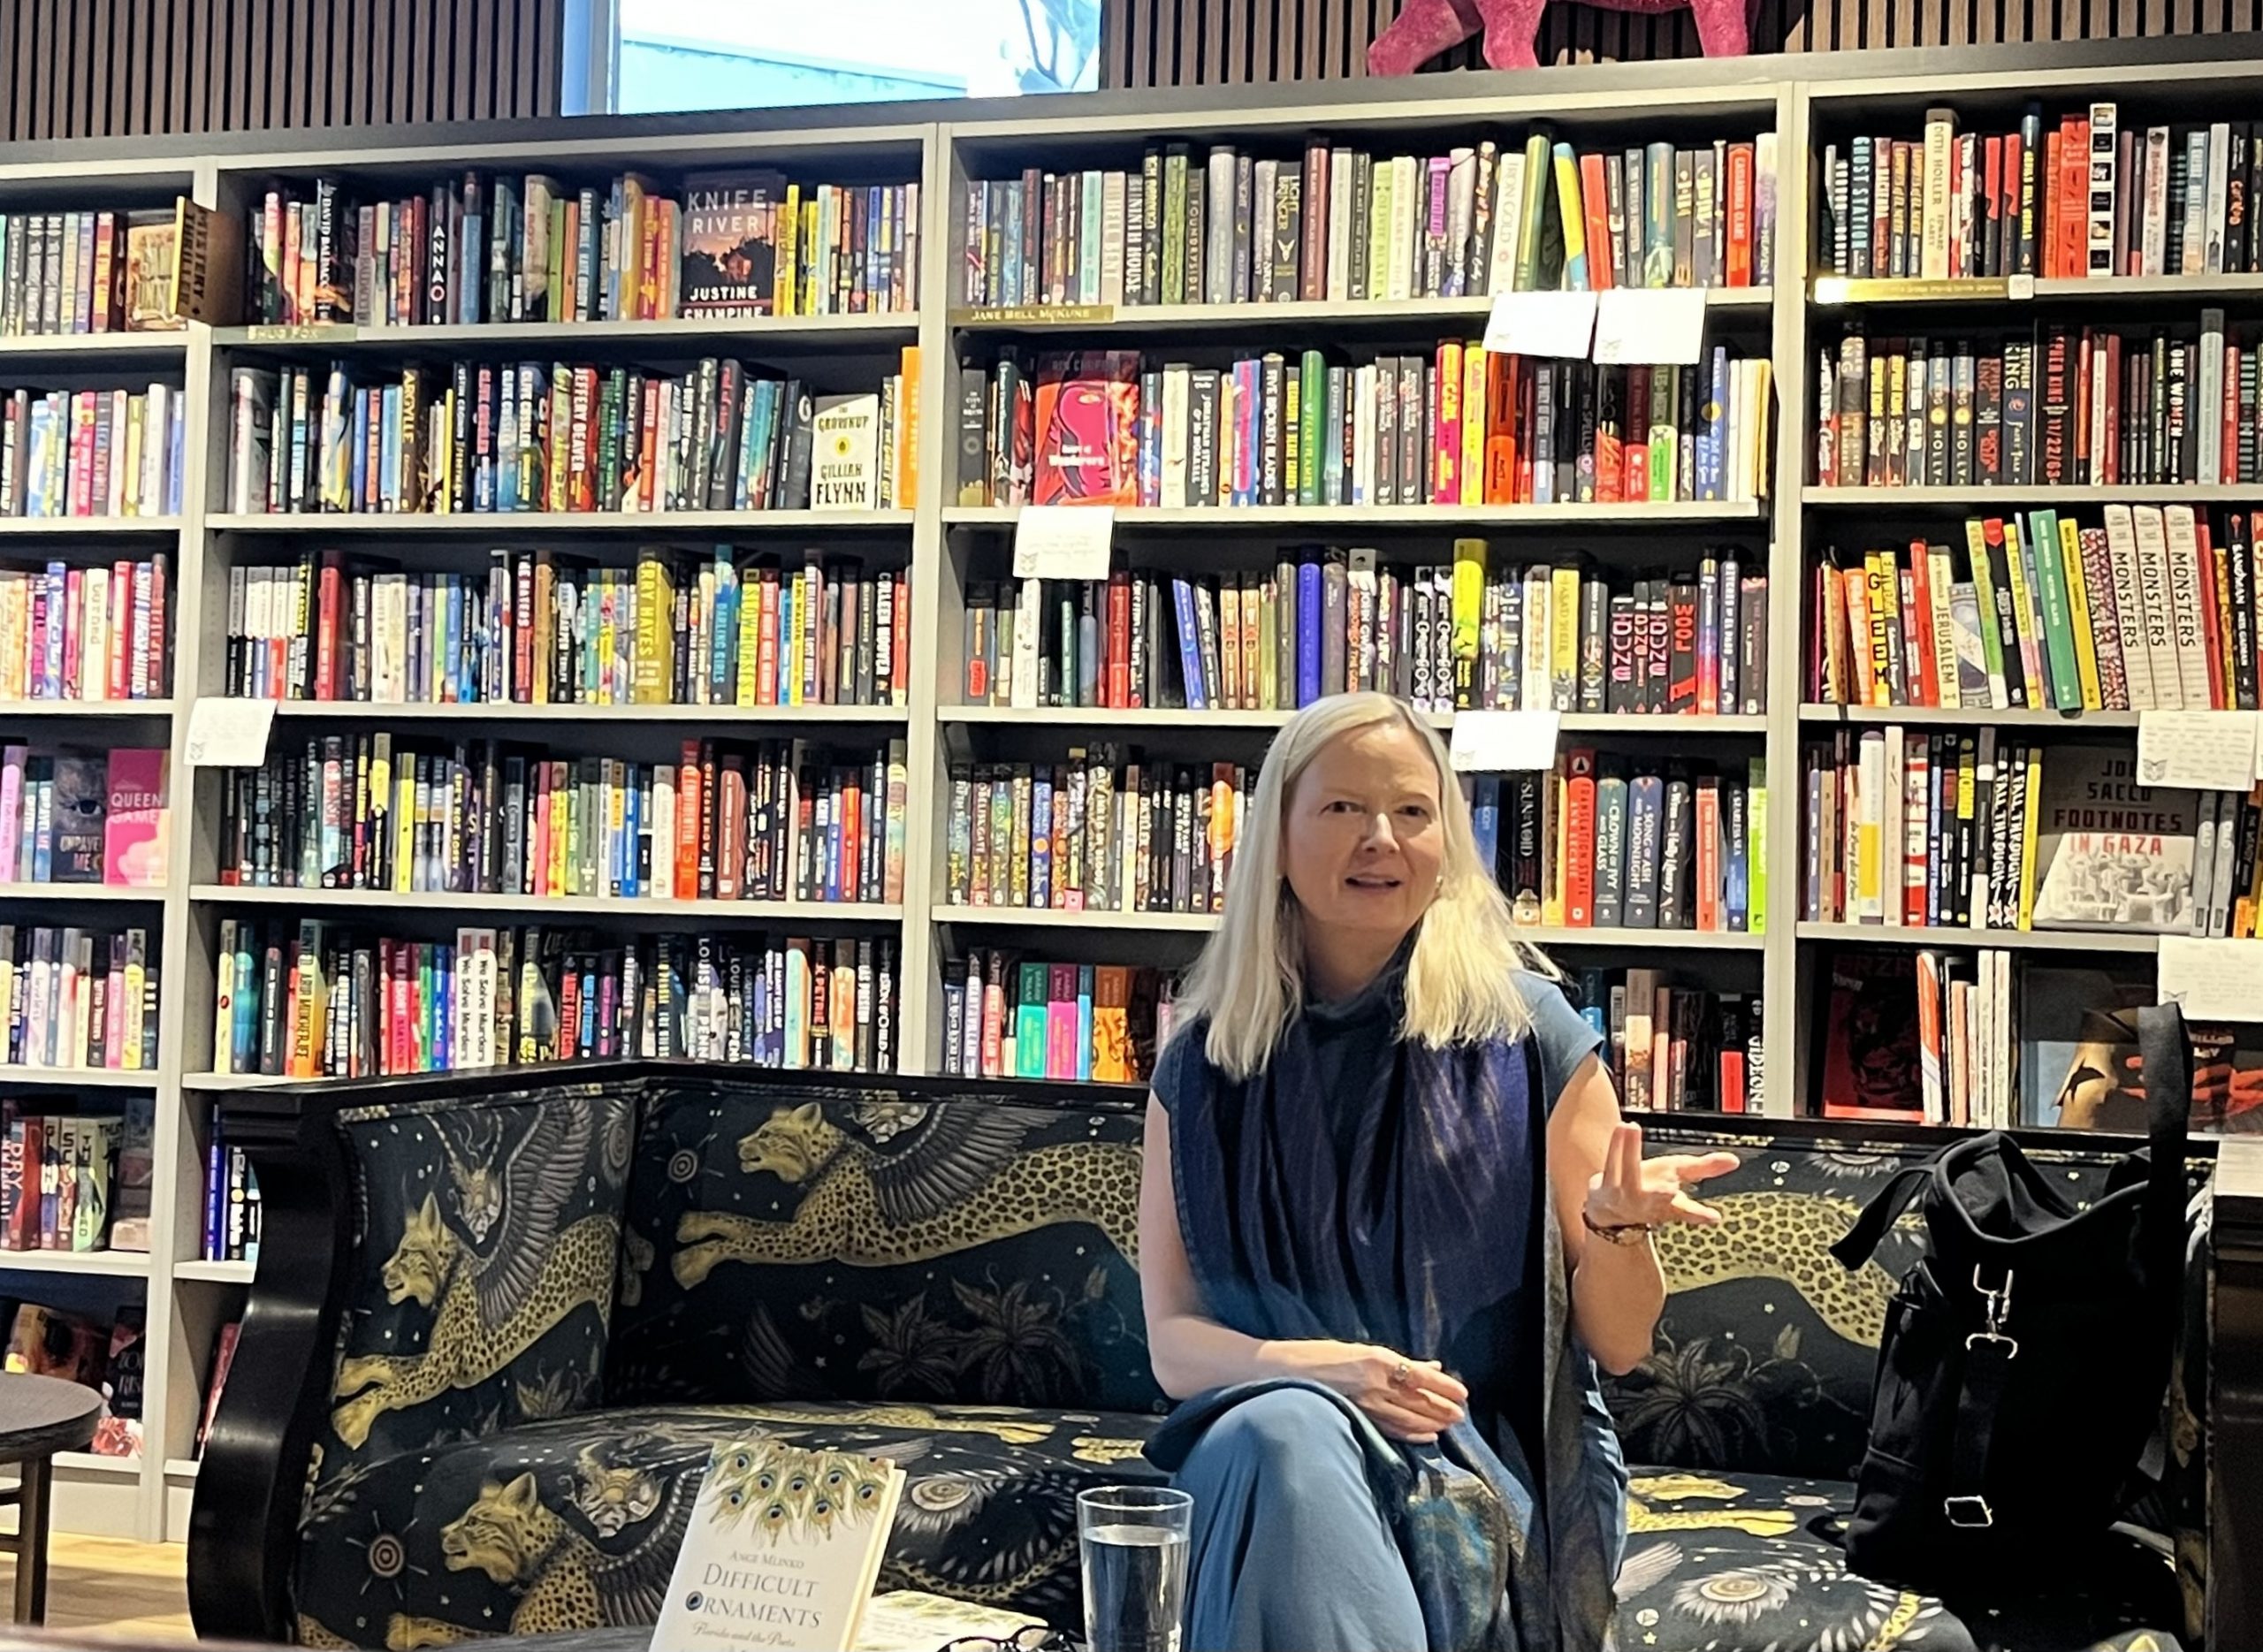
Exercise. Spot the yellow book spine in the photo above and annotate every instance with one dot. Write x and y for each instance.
(2027, 837)
(1574, 217)
(404, 828)
(1473, 423)
(1469, 611)
(750, 589)
(907, 432)
(2070, 558)
(1564, 639)
(789, 224)
(1445, 459)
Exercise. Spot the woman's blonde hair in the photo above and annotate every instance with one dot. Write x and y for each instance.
(1249, 981)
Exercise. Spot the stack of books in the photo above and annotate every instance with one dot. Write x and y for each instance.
(1672, 1048)
(86, 273)
(1094, 834)
(529, 436)
(308, 1001)
(525, 248)
(113, 452)
(76, 998)
(2059, 406)
(84, 819)
(540, 630)
(773, 821)
(2085, 196)
(1337, 225)
(1461, 425)
(1607, 843)
(1469, 633)
(2150, 609)
(1007, 1017)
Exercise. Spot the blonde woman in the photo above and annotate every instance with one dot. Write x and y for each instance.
(1391, 1218)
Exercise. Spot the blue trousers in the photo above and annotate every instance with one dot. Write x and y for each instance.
(1289, 1553)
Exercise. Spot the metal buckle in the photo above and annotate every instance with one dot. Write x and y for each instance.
(1996, 1305)
(1958, 1508)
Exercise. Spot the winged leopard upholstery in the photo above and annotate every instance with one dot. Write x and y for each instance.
(500, 1321)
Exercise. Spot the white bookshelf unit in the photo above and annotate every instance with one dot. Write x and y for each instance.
(948, 547)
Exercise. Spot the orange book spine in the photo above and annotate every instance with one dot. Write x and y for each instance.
(1709, 857)
(1500, 429)
(1601, 271)
(2046, 234)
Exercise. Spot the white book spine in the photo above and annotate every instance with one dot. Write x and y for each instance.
(1866, 821)
(2209, 394)
(1338, 287)
(2192, 257)
(2213, 228)
(1508, 212)
(2103, 130)
(1029, 626)
(1173, 477)
(1941, 158)
(1533, 652)
(1111, 238)
(2152, 257)
(1403, 218)
(2160, 609)
(2184, 588)
(1892, 831)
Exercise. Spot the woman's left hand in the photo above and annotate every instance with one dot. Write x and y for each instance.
(1632, 1191)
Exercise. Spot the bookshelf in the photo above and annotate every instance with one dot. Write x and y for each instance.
(949, 547)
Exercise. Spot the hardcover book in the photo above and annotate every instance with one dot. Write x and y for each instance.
(730, 243)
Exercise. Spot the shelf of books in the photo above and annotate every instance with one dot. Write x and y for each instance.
(623, 530)
(2028, 529)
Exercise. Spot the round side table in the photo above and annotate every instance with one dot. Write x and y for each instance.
(39, 1416)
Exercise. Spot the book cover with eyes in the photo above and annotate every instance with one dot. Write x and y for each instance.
(782, 1550)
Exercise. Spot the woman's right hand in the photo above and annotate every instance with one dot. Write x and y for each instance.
(1409, 1400)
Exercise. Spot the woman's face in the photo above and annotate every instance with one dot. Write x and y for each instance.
(1363, 842)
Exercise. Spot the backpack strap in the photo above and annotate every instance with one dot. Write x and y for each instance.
(1885, 1208)
(2165, 1050)
(1987, 1366)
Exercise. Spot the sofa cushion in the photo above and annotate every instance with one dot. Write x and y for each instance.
(480, 1271)
(575, 1522)
(825, 1242)
(1726, 1560)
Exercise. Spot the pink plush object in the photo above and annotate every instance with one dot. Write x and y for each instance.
(1426, 27)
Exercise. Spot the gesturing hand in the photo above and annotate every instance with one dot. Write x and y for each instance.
(1632, 1191)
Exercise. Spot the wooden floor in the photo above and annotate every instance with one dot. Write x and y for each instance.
(113, 1589)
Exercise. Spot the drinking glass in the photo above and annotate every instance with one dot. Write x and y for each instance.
(1134, 1543)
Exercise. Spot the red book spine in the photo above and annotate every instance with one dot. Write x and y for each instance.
(900, 686)
(326, 620)
(1740, 215)
(1709, 857)
(1119, 641)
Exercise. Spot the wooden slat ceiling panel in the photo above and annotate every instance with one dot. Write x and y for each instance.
(1156, 43)
(125, 68)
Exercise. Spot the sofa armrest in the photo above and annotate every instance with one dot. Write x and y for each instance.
(2236, 1403)
(398, 1213)
(243, 1527)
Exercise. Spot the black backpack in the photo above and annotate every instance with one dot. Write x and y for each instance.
(2026, 1357)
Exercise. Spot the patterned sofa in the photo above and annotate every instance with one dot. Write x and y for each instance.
(499, 1320)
